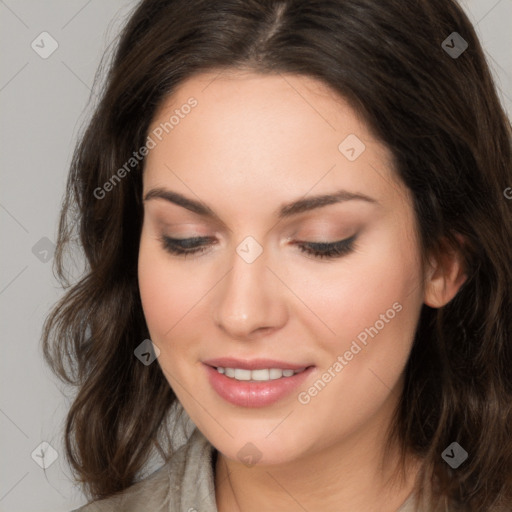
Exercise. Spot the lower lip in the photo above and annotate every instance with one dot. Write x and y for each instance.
(254, 394)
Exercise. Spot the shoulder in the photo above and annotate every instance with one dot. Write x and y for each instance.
(184, 482)
(148, 494)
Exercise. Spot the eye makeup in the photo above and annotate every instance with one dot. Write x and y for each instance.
(199, 245)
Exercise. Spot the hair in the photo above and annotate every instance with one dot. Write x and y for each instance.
(442, 119)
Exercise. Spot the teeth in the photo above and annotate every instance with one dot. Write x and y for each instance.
(242, 374)
(257, 375)
(275, 373)
(261, 374)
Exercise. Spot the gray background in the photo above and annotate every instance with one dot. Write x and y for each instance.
(44, 103)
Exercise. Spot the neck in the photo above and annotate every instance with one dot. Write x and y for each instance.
(314, 483)
(352, 474)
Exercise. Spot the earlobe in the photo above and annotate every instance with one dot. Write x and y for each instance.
(445, 275)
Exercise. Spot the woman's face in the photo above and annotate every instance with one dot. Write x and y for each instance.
(255, 152)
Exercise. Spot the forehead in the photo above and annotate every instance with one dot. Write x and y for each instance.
(261, 133)
(266, 105)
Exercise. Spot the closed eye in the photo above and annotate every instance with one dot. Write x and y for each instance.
(328, 250)
(198, 245)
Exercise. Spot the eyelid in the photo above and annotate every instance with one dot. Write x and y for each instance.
(328, 250)
(201, 240)
(317, 250)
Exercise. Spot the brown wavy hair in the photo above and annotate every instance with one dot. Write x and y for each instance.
(452, 142)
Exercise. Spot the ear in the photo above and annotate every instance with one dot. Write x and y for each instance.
(445, 275)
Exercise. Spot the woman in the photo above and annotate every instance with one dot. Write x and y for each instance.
(298, 236)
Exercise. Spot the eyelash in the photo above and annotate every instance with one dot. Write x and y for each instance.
(318, 250)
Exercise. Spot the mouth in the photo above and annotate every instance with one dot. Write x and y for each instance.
(255, 383)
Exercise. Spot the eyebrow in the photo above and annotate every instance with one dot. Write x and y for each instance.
(284, 211)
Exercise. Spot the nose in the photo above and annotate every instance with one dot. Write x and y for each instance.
(250, 301)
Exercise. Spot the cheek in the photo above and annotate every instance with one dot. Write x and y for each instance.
(373, 306)
(166, 294)
(174, 298)
(373, 297)
(152, 285)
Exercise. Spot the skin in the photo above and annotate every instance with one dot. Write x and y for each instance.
(252, 144)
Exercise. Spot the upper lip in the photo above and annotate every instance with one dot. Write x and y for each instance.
(253, 364)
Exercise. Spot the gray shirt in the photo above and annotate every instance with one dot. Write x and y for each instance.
(184, 484)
